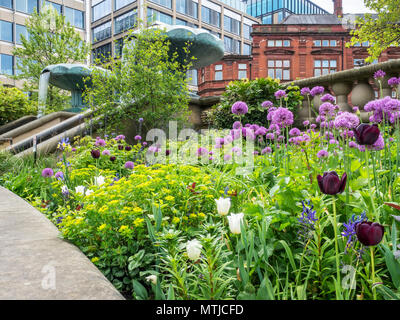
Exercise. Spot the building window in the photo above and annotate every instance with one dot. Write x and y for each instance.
(231, 25)
(125, 22)
(118, 46)
(6, 31)
(122, 3)
(102, 53)
(278, 43)
(164, 3)
(6, 3)
(6, 64)
(210, 16)
(232, 45)
(323, 67)
(218, 72)
(242, 71)
(325, 43)
(74, 17)
(246, 31)
(101, 32)
(27, 6)
(191, 75)
(247, 49)
(279, 69)
(187, 7)
(21, 31)
(55, 6)
(154, 15)
(101, 9)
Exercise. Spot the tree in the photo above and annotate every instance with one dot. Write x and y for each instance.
(148, 82)
(51, 40)
(381, 32)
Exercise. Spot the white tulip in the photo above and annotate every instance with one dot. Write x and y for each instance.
(223, 206)
(193, 249)
(234, 222)
(152, 278)
(88, 192)
(80, 189)
(98, 181)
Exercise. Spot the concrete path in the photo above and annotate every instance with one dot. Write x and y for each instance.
(36, 264)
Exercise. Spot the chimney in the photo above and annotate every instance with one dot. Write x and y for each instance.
(338, 8)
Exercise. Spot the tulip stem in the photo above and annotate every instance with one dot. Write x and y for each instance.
(371, 249)
(336, 245)
(374, 214)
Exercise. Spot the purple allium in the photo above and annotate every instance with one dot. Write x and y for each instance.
(138, 137)
(240, 108)
(100, 142)
(266, 150)
(327, 109)
(313, 126)
(144, 143)
(280, 94)
(294, 132)
(236, 133)
(356, 109)
(394, 81)
(267, 104)
(270, 113)
(352, 144)
(73, 149)
(95, 153)
(237, 125)
(237, 151)
(261, 131)
(120, 137)
(322, 154)
(228, 139)
(379, 74)
(202, 152)
(47, 172)
(59, 175)
(227, 157)
(282, 117)
(255, 153)
(140, 119)
(317, 90)
(327, 98)
(153, 149)
(129, 165)
(346, 120)
(106, 152)
(270, 136)
(305, 91)
(306, 123)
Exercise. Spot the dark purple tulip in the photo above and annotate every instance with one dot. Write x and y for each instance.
(167, 152)
(128, 148)
(330, 183)
(95, 153)
(112, 158)
(366, 134)
(369, 233)
(120, 147)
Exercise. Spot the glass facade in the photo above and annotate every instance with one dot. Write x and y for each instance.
(56, 6)
(6, 31)
(74, 17)
(122, 3)
(164, 3)
(210, 16)
(6, 3)
(6, 64)
(26, 6)
(125, 22)
(274, 11)
(20, 30)
(101, 9)
(232, 45)
(102, 53)
(246, 49)
(231, 25)
(187, 7)
(154, 15)
(101, 32)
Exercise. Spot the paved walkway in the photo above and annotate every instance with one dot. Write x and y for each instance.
(36, 264)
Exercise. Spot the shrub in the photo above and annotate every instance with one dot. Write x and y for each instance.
(14, 104)
(254, 93)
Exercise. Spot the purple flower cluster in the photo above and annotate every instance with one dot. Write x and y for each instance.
(240, 108)
(305, 91)
(317, 90)
(386, 108)
(47, 172)
(294, 132)
(379, 74)
(328, 98)
(280, 94)
(327, 109)
(100, 142)
(282, 117)
(394, 81)
(350, 228)
(346, 120)
(307, 220)
(322, 154)
(267, 104)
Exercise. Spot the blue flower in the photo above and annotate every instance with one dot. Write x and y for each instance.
(349, 228)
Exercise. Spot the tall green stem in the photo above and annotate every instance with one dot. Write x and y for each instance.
(371, 249)
(336, 246)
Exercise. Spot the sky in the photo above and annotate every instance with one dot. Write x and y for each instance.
(349, 6)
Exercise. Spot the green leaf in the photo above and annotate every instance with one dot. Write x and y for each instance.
(139, 290)
(393, 265)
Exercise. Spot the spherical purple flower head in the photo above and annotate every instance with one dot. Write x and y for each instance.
(282, 117)
(73, 149)
(247, 125)
(327, 109)
(228, 139)
(120, 137)
(346, 120)
(237, 125)
(369, 233)
(201, 152)
(266, 150)
(112, 158)
(361, 148)
(153, 149)
(129, 165)
(59, 175)
(47, 173)
(227, 157)
(236, 133)
(394, 81)
(347, 134)
(138, 137)
(255, 153)
(140, 119)
(128, 148)
(378, 145)
(271, 113)
(270, 136)
(294, 132)
(320, 119)
(280, 94)
(106, 152)
(327, 98)
(366, 134)
(267, 104)
(95, 154)
(313, 126)
(254, 127)
(379, 74)
(219, 142)
(306, 123)
(305, 91)
(280, 138)
(352, 144)
(261, 131)
(356, 109)
(333, 141)
(237, 151)
(144, 143)
(322, 154)
(330, 183)
(100, 142)
(250, 135)
(240, 108)
(317, 90)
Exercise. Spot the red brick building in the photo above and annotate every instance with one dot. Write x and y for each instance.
(302, 46)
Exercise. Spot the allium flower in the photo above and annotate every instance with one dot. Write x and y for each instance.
(267, 104)
(266, 150)
(322, 154)
(59, 175)
(313, 126)
(140, 119)
(346, 120)
(144, 144)
(120, 137)
(317, 90)
(73, 149)
(306, 123)
(234, 222)
(280, 94)
(271, 111)
(100, 142)
(47, 173)
(327, 98)
(240, 108)
(305, 91)
(330, 183)
(201, 152)
(327, 109)
(282, 117)
(193, 249)
(366, 134)
(294, 132)
(356, 109)
(369, 233)
(138, 137)
(223, 206)
(261, 131)
(237, 125)
(228, 139)
(270, 136)
(394, 81)
(95, 154)
(237, 151)
(129, 165)
(106, 152)
(227, 157)
(153, 149)
(352, 144)
(236, 133)
(379, 74)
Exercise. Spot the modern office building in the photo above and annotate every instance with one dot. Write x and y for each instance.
(13, 14)
(275, 11)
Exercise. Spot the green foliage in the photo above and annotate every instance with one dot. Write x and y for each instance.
(14, 104)
(51, 40)
(381, 32)
(254, 93)
(148, 82)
